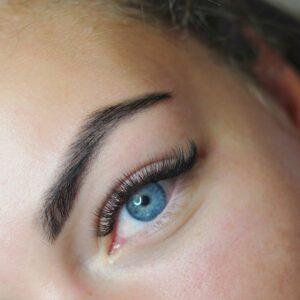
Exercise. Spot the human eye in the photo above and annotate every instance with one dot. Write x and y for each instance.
(145, 200)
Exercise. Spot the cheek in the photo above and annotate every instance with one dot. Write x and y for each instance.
(194, 267)
(216, 267)
(212, 263)
(230, 253)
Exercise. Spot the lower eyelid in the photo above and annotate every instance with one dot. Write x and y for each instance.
(172, 208)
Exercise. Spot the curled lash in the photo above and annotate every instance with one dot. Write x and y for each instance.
(179, 162)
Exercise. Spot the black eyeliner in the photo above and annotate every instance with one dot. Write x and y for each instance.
(178, 162)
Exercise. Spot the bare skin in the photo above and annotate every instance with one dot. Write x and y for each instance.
(236, 235)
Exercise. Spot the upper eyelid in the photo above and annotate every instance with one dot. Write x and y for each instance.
(153, 164)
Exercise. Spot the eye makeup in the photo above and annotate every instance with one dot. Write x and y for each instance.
(172, 165)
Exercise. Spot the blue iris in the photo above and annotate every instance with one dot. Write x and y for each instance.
(146, 204)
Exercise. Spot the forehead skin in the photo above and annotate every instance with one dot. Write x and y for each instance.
(54, 72)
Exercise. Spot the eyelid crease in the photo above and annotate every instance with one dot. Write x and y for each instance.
(178, 162)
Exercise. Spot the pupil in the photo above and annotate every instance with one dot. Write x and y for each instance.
(143, 201)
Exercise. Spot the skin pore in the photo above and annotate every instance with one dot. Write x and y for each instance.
(236, 232)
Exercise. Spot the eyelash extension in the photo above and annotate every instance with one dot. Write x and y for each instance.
(179, 162)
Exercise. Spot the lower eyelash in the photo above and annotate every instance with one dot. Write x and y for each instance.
(179, 162)
(171, 209)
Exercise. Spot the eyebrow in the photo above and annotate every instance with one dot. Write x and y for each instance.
(60, 197)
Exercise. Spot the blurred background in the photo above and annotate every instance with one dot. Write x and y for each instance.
(292, 6)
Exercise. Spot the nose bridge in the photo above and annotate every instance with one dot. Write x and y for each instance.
(25, 262)
(21, 278)
(16, 276)
(36, 274)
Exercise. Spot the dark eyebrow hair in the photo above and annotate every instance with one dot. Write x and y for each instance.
(61, 195)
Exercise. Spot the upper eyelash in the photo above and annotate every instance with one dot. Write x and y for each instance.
(177, 163)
